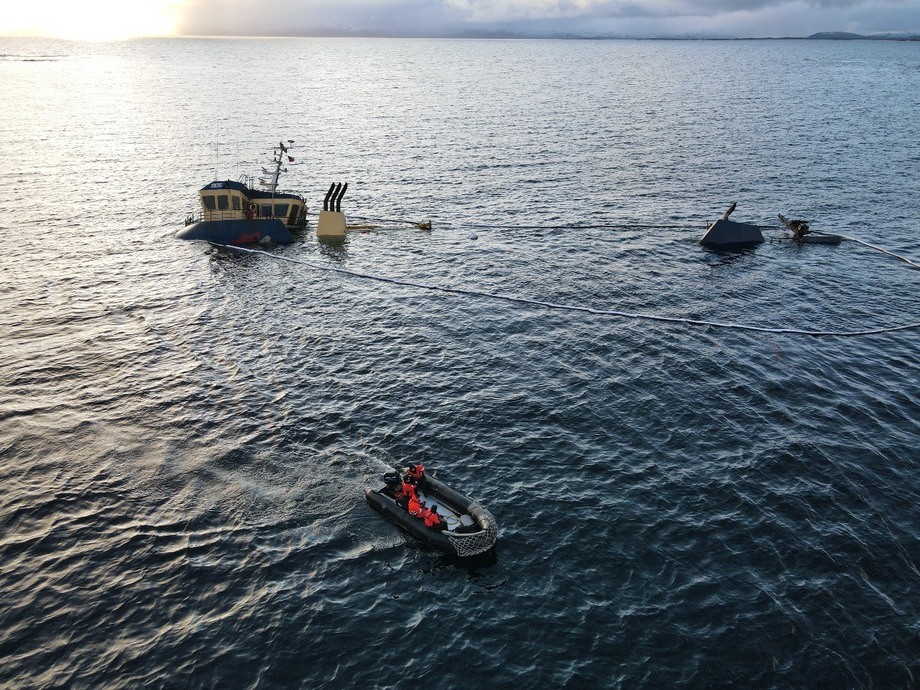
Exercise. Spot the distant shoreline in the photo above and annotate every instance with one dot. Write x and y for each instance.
(507, 35)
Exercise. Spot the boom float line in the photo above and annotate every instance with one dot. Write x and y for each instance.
(570, 307)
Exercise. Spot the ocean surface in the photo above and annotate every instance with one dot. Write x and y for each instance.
(186, 431)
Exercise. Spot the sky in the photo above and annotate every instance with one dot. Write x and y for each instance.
(120, 19)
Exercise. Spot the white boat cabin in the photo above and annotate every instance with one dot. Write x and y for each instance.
(229, 200)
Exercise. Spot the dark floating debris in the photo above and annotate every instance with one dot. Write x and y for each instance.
(728, 234)
(802, 234)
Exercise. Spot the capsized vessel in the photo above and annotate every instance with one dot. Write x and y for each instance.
(728, 233)
(241, 213)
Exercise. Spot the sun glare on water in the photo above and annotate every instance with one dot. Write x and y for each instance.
(90, 20)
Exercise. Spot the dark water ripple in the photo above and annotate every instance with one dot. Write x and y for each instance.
(186, 432)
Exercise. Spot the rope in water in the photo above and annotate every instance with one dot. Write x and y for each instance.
(887, 252)
(570, 307)
(605, 226)
(566, 226)
(910, 263)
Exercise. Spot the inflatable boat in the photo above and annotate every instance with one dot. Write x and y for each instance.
(469, 529)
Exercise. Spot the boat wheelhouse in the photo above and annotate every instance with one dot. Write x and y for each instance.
(240, 213)
(229, 200)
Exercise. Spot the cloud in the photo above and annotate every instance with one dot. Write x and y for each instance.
(294, 17)
(528, 10)
(546, 17)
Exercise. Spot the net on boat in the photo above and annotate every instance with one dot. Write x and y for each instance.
(477, 542)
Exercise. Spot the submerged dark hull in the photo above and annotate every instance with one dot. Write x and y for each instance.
(238, 231)
(729, 234)
(820, 239)
(471, 541)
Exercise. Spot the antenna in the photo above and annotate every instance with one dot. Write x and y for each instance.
(278, 153)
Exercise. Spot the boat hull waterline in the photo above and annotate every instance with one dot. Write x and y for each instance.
(238, 231)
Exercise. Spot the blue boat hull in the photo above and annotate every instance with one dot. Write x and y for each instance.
(238, 231)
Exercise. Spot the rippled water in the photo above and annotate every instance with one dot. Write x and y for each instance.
(186, 431)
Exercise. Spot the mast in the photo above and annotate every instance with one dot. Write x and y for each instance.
(271, 183)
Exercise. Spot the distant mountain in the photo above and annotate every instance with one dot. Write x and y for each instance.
(503, 33)
(847, 36)
(837, 36)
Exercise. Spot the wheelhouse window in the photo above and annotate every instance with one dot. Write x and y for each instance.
(208, 200)
(236, 202)
(281, 210)
(266, 210)
(223, 202)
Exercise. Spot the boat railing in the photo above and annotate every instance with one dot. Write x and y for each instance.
(224, 215)
(195, 217)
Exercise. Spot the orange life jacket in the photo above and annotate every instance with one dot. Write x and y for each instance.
(417, 472)
(414, 506)
(432, 519)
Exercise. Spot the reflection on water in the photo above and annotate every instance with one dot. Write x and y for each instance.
(725, 256)
(187, 431)
(333, 248)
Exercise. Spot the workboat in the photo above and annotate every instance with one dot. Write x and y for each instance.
(469, 530)
(243, 212)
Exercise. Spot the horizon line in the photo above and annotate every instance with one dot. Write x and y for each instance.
(500, 35)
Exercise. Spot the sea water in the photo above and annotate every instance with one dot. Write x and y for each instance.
(186, 431)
